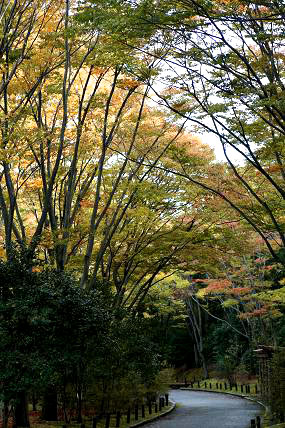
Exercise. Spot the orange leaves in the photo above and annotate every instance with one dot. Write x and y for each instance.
(260, 260)
(240, 291)
(256, 313)
(274, 168)
(268, 267)
(85, 203)
(217, 286)
(222, 287)
(222, 5)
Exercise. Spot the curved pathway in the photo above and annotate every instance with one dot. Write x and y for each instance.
(197, 409)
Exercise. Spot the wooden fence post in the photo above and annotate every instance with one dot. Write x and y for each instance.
(136, 412)
(108, 417)
(258, 422)
(118, 419)
(143, 411)
(155, 407)
(166, 399)
(252, 423)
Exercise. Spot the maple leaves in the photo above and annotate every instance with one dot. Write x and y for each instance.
(95, 176)
(81, 164)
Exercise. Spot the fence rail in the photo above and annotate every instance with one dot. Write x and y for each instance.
(219, 386)
(132, 414)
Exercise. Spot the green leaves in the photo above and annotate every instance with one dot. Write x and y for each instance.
(47, 323)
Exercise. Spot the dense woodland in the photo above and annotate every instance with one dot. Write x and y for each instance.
(127, 246)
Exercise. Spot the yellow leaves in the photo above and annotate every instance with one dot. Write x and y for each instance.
(127, 83)
(230, 302)
(34, 183)
(277, 296)
(2, 252)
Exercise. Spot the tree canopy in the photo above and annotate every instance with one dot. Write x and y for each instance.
(115, 215)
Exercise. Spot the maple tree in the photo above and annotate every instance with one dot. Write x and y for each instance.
(223, 65)
(233, 51)
(101, 180)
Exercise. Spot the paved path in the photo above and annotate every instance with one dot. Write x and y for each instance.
(197, 409)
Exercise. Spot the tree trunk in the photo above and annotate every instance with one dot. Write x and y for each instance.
(195, 320)
(196, 356)
(5, 413)
(34, 402)
(79, 404)
(204, 365)
(49, 409)
(21, 410)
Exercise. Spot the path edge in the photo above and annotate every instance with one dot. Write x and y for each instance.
(154, 418)
(256, 400)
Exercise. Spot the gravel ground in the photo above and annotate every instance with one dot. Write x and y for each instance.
(208, 410)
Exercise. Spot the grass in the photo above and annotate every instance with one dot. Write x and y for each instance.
(221, 382)
(276, 426)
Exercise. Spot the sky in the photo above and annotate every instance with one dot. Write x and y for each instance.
(214, 142)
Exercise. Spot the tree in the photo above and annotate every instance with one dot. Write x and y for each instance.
(24, 28)
(40, 312)
(224, 68)
(233, 51)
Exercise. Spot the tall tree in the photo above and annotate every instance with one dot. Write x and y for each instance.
(224, 73)
(229, 77)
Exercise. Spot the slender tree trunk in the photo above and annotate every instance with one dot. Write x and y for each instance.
(196, 355)
(21, 410)
(79, 404)
(204, 365)
(49, 409)
(34, 402)
(195, 320)
(5, 413)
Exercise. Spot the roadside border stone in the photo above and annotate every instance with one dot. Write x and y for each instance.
(154, 418)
